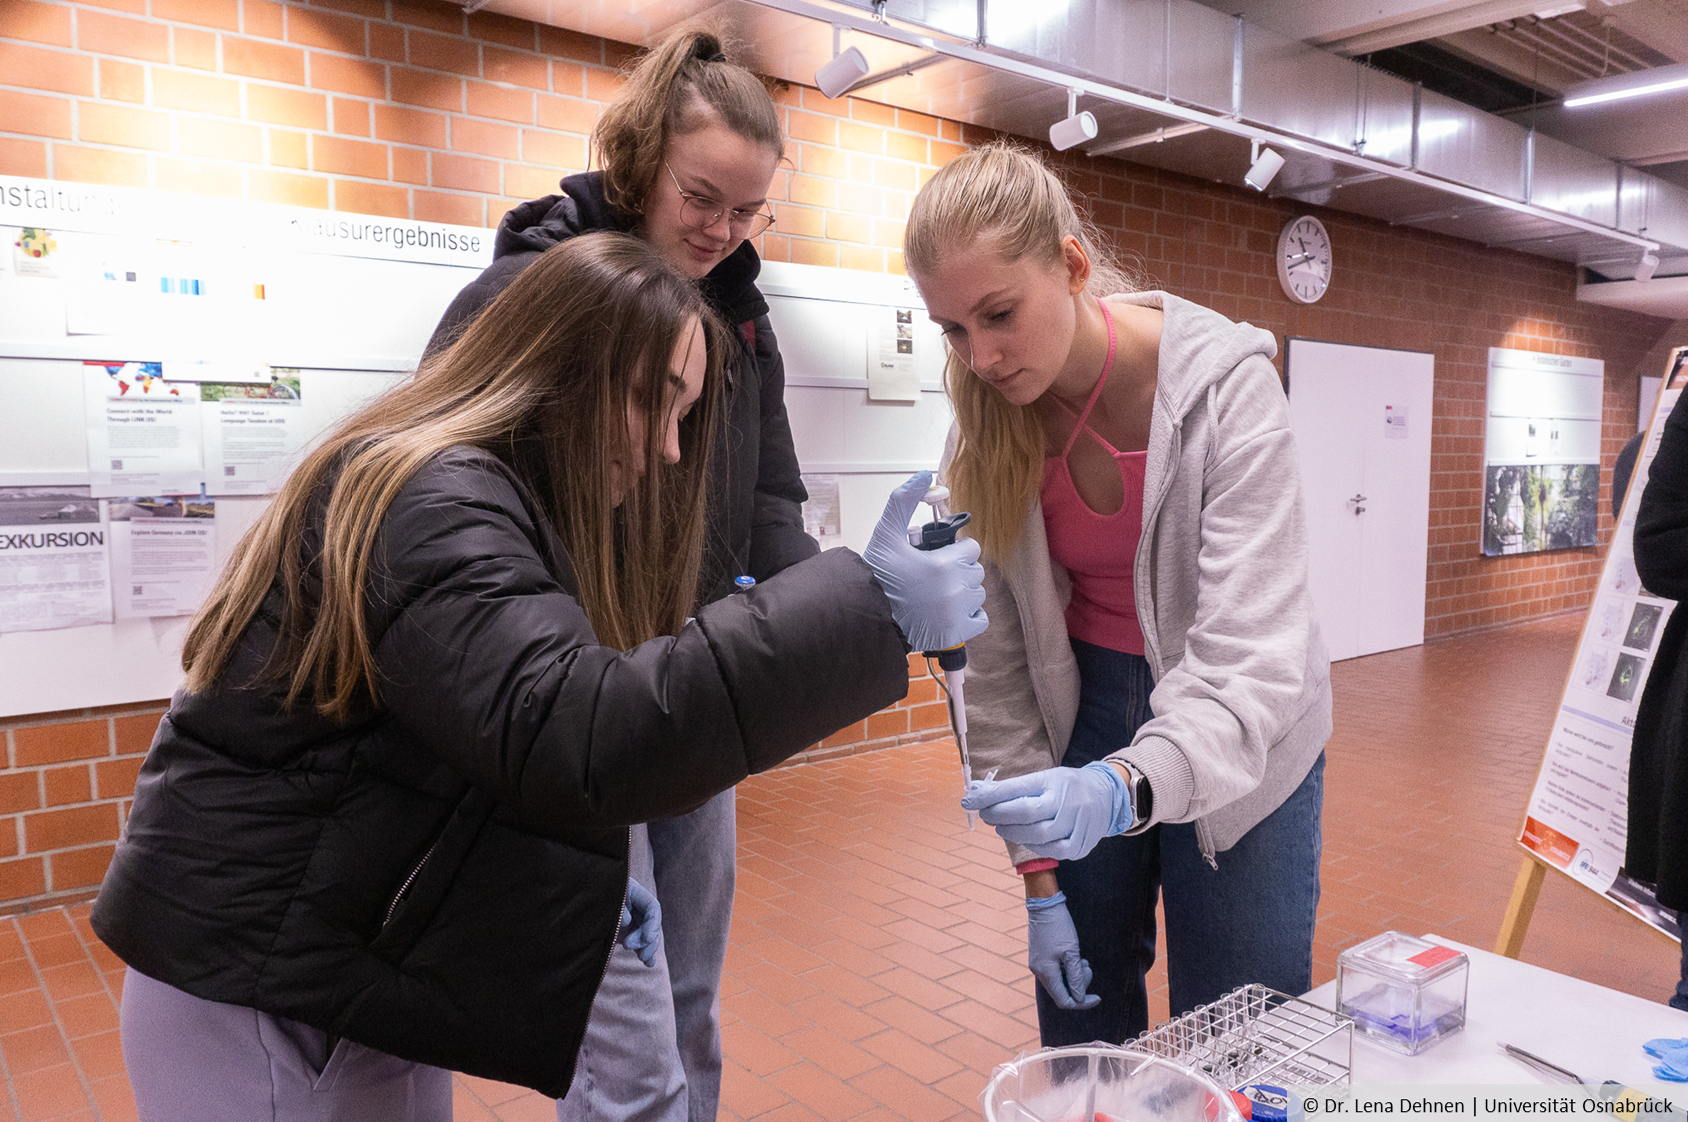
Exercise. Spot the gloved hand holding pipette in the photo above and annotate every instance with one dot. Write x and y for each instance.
(1060, 812)
(937, 596)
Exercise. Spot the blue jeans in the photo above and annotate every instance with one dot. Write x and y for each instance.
(653, 1045)
(1249, 920)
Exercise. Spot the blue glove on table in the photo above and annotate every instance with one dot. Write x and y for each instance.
(1672, 1056)
(1061, 812)
(937, 596)
(1052, 953)
(641, 922)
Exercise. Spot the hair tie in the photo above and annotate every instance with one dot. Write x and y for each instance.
(716, 57)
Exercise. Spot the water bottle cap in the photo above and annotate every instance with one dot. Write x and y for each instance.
(744, 582)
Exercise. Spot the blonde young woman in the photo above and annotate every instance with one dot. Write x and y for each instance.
(686, 153)
(382, 833)
(1153, 687)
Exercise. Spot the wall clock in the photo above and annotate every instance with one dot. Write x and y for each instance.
(1304, 260)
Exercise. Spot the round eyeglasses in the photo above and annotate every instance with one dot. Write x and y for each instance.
(700, 212)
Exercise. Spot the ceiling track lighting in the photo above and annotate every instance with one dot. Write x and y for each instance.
(845, 70)
(1647, 266)
(1660, 79)
(1263, 164)
(1076, 128)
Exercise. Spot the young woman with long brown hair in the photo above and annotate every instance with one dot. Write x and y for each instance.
(686, 153)
(383, 831)
(1154, 691)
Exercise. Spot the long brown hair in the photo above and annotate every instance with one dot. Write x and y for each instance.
(683, 84)
(1001, 198)
(543, 377)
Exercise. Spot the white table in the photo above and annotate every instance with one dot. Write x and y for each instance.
(1594, 1031)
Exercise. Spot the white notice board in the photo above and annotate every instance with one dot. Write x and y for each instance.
(1577, 820)
(336, 308)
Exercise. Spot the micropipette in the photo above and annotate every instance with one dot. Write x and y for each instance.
(952, 661)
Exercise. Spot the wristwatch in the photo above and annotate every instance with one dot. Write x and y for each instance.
(1142, 797)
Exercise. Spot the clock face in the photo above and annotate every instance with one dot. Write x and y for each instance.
(1304, 259)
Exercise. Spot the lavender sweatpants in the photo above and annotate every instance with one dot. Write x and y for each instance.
(192, 1060)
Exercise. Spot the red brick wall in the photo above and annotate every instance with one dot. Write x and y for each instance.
(413, 109)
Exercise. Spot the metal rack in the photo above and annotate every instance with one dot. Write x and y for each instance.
(1255, 1034)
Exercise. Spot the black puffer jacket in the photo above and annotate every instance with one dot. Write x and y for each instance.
(441, 878)
(756, 489)
(1657, 847)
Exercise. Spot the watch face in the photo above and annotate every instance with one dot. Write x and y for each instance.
(1304, 260)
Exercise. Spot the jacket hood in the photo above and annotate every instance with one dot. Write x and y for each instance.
(1198, 347)
(537, 225)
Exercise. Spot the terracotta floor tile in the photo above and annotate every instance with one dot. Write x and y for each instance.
(781, 985)
(56, 950)
(113, 1099)
(16, 975)
(73, 979)
(927, 963)
(25, 1010)
(905, 1096)
(846, 1021)
(49, 1093)
(756, 1050)
(746, 1095)
(85, 1016)
(491, 1091)
(921, 990)
(831, 1052)
(911, 1056)
(900, 1013)
(766, 1014)
(99, 1056)
(34, 1049)
(823, 1093)
(529, 1106)
(465, 1107)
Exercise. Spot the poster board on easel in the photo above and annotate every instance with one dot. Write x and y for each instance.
(1577, 818)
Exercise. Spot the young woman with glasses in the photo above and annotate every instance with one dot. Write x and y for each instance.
(688, 151)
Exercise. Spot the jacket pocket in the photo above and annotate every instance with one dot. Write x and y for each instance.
(416, 898)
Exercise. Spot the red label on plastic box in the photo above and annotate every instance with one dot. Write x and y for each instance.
(1435, 956)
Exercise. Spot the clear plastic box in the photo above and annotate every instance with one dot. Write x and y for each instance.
(1103, 1083)
(1404, 992)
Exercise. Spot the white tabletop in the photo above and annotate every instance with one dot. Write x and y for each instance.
(1589, 1029)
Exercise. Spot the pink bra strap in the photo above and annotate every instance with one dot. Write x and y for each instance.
(1107, 365)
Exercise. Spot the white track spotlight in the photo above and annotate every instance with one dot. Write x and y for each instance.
(1647, 266)
(845, 70)
(1263, 165)
(1075, 129)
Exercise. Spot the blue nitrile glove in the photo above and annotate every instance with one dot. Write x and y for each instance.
(641, 922)
(937, 596)
(1052, 953)
(1672, 1056)
(1061, 812)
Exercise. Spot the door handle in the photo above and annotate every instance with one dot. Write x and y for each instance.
(1358, 499)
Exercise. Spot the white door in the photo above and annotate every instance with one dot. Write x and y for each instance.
(1361, 417)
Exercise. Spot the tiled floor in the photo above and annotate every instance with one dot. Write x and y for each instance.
(876, 967)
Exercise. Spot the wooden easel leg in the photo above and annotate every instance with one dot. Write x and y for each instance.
(1519, 909)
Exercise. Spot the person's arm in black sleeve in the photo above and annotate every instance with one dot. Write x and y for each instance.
(1661, 525)
(476, 295)
(777, 539)
(485, 660)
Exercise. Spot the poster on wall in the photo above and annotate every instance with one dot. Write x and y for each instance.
(54, 569)
(1541, 452)
(163, 554)
(143, 431)
(822, 513)
(1578, 812)
(253, 431)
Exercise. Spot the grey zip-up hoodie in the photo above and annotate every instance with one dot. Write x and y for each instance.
(1241, 703)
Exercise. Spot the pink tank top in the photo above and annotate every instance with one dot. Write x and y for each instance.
(1097, 550)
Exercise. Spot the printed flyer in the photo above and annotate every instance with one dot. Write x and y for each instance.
(143, 431)
(163, 554)
(54, 568)
(254, 433)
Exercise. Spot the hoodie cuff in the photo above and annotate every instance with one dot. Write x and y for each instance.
(1169, 776)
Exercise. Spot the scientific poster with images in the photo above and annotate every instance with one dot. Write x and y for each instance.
(54, 564)
(1578, 812)
(891, 371)
(163, 554)
(1541, 452)
(143, 431)
(254, 433)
